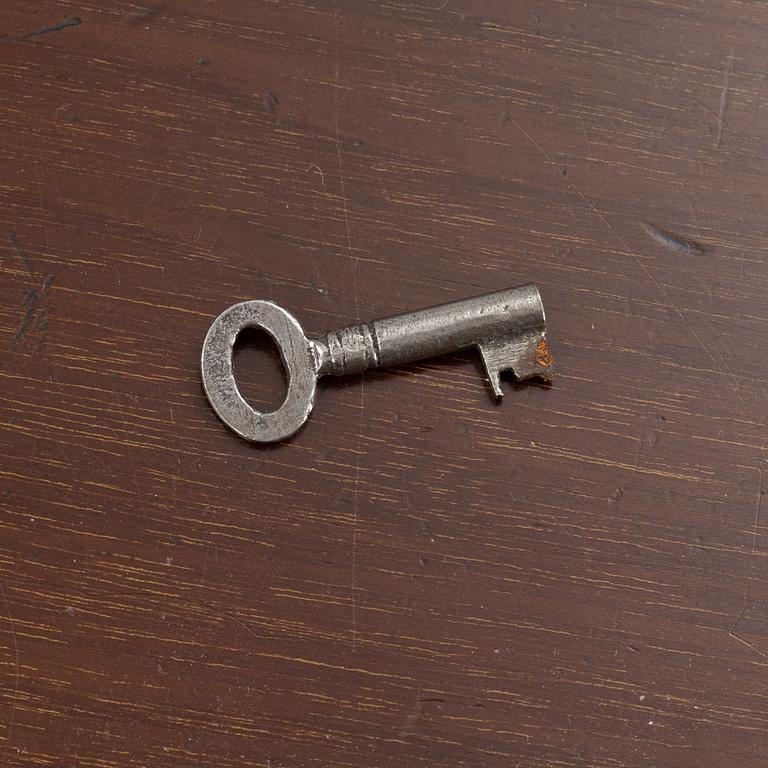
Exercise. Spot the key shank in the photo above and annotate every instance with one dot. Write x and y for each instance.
(508, 327)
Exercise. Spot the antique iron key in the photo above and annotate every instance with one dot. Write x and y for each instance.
(508, 328)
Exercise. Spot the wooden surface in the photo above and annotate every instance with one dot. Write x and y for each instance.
(576, 577)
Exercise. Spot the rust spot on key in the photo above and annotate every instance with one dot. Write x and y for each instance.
(543, 356)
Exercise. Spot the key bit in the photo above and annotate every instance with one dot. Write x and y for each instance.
(526, 357)
(508, 328)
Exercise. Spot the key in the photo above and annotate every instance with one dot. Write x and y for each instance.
(508, 328)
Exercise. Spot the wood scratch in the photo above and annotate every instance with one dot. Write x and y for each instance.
(12, 717)
(617, 633)
(724, 100)
(642, 438)
(146, 14)
(341, 165)
(269, 101)
(313, 167)
(354, 517)
(755, 528)
(70, 21)
(42, 205)
(759, 502)
(23, 325)
(35, 309)
(408, 727)
(355, 262)
(747, 643)
(20, 253)
(673, 241)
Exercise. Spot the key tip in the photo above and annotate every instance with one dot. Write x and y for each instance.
(494, 379)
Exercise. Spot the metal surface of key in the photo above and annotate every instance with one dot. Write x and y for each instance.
(508, 328)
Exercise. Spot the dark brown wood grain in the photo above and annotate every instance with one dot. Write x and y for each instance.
(576, 577)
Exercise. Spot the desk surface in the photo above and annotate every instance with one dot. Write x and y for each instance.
(576, 577)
